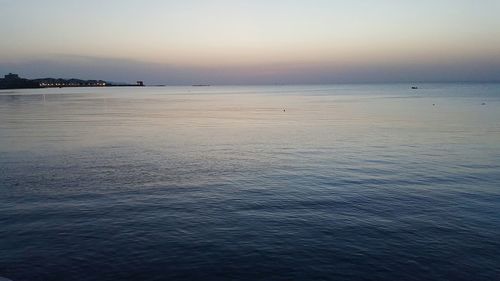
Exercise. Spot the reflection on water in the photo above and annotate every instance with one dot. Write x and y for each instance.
(349, 182)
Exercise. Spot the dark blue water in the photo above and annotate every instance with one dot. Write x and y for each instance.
(367, 182)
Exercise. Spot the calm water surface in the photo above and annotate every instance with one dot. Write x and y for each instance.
(350, 182)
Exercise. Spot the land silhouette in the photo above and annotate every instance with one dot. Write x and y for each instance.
(13, 81)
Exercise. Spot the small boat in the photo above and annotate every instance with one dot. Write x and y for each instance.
(414, 88)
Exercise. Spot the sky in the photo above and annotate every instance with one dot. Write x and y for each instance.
(252, 41)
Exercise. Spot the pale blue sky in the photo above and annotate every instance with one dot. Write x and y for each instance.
(234, 41)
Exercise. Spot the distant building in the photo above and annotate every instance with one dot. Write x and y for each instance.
(11, 76)
(13, 81)
(52, 82)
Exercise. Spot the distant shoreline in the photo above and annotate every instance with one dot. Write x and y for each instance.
(13, 81)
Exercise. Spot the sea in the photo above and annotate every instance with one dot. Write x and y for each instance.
(310, 182)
